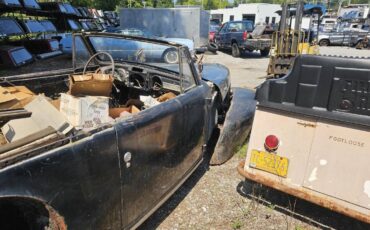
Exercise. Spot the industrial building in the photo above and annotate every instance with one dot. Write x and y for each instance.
(256, 12)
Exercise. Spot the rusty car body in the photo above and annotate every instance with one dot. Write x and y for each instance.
(310, 134)
(114, 176)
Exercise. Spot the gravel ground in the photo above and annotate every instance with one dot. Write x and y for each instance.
(248, 71)
(217, 197)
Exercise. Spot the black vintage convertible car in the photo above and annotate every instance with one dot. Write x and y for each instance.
(115, 175)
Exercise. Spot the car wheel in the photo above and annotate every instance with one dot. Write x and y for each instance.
(171, 56)
(212, 47)
(235, 51)
(324, 42)
(265, 52)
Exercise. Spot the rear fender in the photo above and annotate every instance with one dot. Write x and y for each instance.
(237, 125)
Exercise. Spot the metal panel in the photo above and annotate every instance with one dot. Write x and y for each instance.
(339, 163)
(294, 133)
(190, 23)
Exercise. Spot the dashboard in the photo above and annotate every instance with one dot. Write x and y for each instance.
(147, 80)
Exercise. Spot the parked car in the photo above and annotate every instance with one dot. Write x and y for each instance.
(310, 134)
(170, 56)
(147, 34)
(346, 36)
(236, 36)
(115, 175)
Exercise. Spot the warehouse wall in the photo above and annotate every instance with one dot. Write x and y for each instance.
(191, 23)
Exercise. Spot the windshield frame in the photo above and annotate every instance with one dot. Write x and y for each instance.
(85, 37)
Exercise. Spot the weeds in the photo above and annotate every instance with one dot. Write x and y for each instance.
(236, 224)
(271, 206)
(297, 227)
(242, 150)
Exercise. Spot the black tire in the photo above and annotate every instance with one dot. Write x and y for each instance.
(324, 42)
(212, 47)
(171, 56)
(265, 52)
(235, 51)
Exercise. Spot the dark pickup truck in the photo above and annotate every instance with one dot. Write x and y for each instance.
(240, 36)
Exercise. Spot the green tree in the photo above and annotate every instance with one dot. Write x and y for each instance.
(105, 4)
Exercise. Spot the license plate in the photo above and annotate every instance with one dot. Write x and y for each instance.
(269, 162)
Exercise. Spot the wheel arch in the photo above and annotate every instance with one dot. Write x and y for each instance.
(325, 39)
(29, 213)
(163, 57)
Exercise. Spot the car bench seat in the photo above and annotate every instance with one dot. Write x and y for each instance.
(336, 88)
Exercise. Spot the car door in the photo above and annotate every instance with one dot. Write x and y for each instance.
(235, 31)
(195, 106)
(81, 180)
(220, 36)
(230, 33)
(159, 148)
(347, 36)
(336, 38)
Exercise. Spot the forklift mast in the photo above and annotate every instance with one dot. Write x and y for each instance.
(287, 43)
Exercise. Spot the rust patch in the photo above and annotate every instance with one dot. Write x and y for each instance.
(56, 221)
(303, 194)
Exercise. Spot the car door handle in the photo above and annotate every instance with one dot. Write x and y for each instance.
(127, 157)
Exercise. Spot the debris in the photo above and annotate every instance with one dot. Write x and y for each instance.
(15, 97)
(149, 101)
(3, 141)
(85, 112)
(43, 115)
(11, 114)
(120, 112)
(91, 84)
(56, 103)
(30, 139)
(30, 145)
(166, 97)
(135, 102)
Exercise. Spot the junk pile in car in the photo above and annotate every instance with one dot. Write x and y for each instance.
(78, 104)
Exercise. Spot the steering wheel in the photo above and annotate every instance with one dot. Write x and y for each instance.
(102, 69)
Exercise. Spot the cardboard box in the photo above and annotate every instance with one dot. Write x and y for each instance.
(91, 85)
(118, 112)
(15, 97)
(56, 103)
(44, 114)
(85, 112)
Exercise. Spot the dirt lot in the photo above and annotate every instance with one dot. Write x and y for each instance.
(218, 198)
